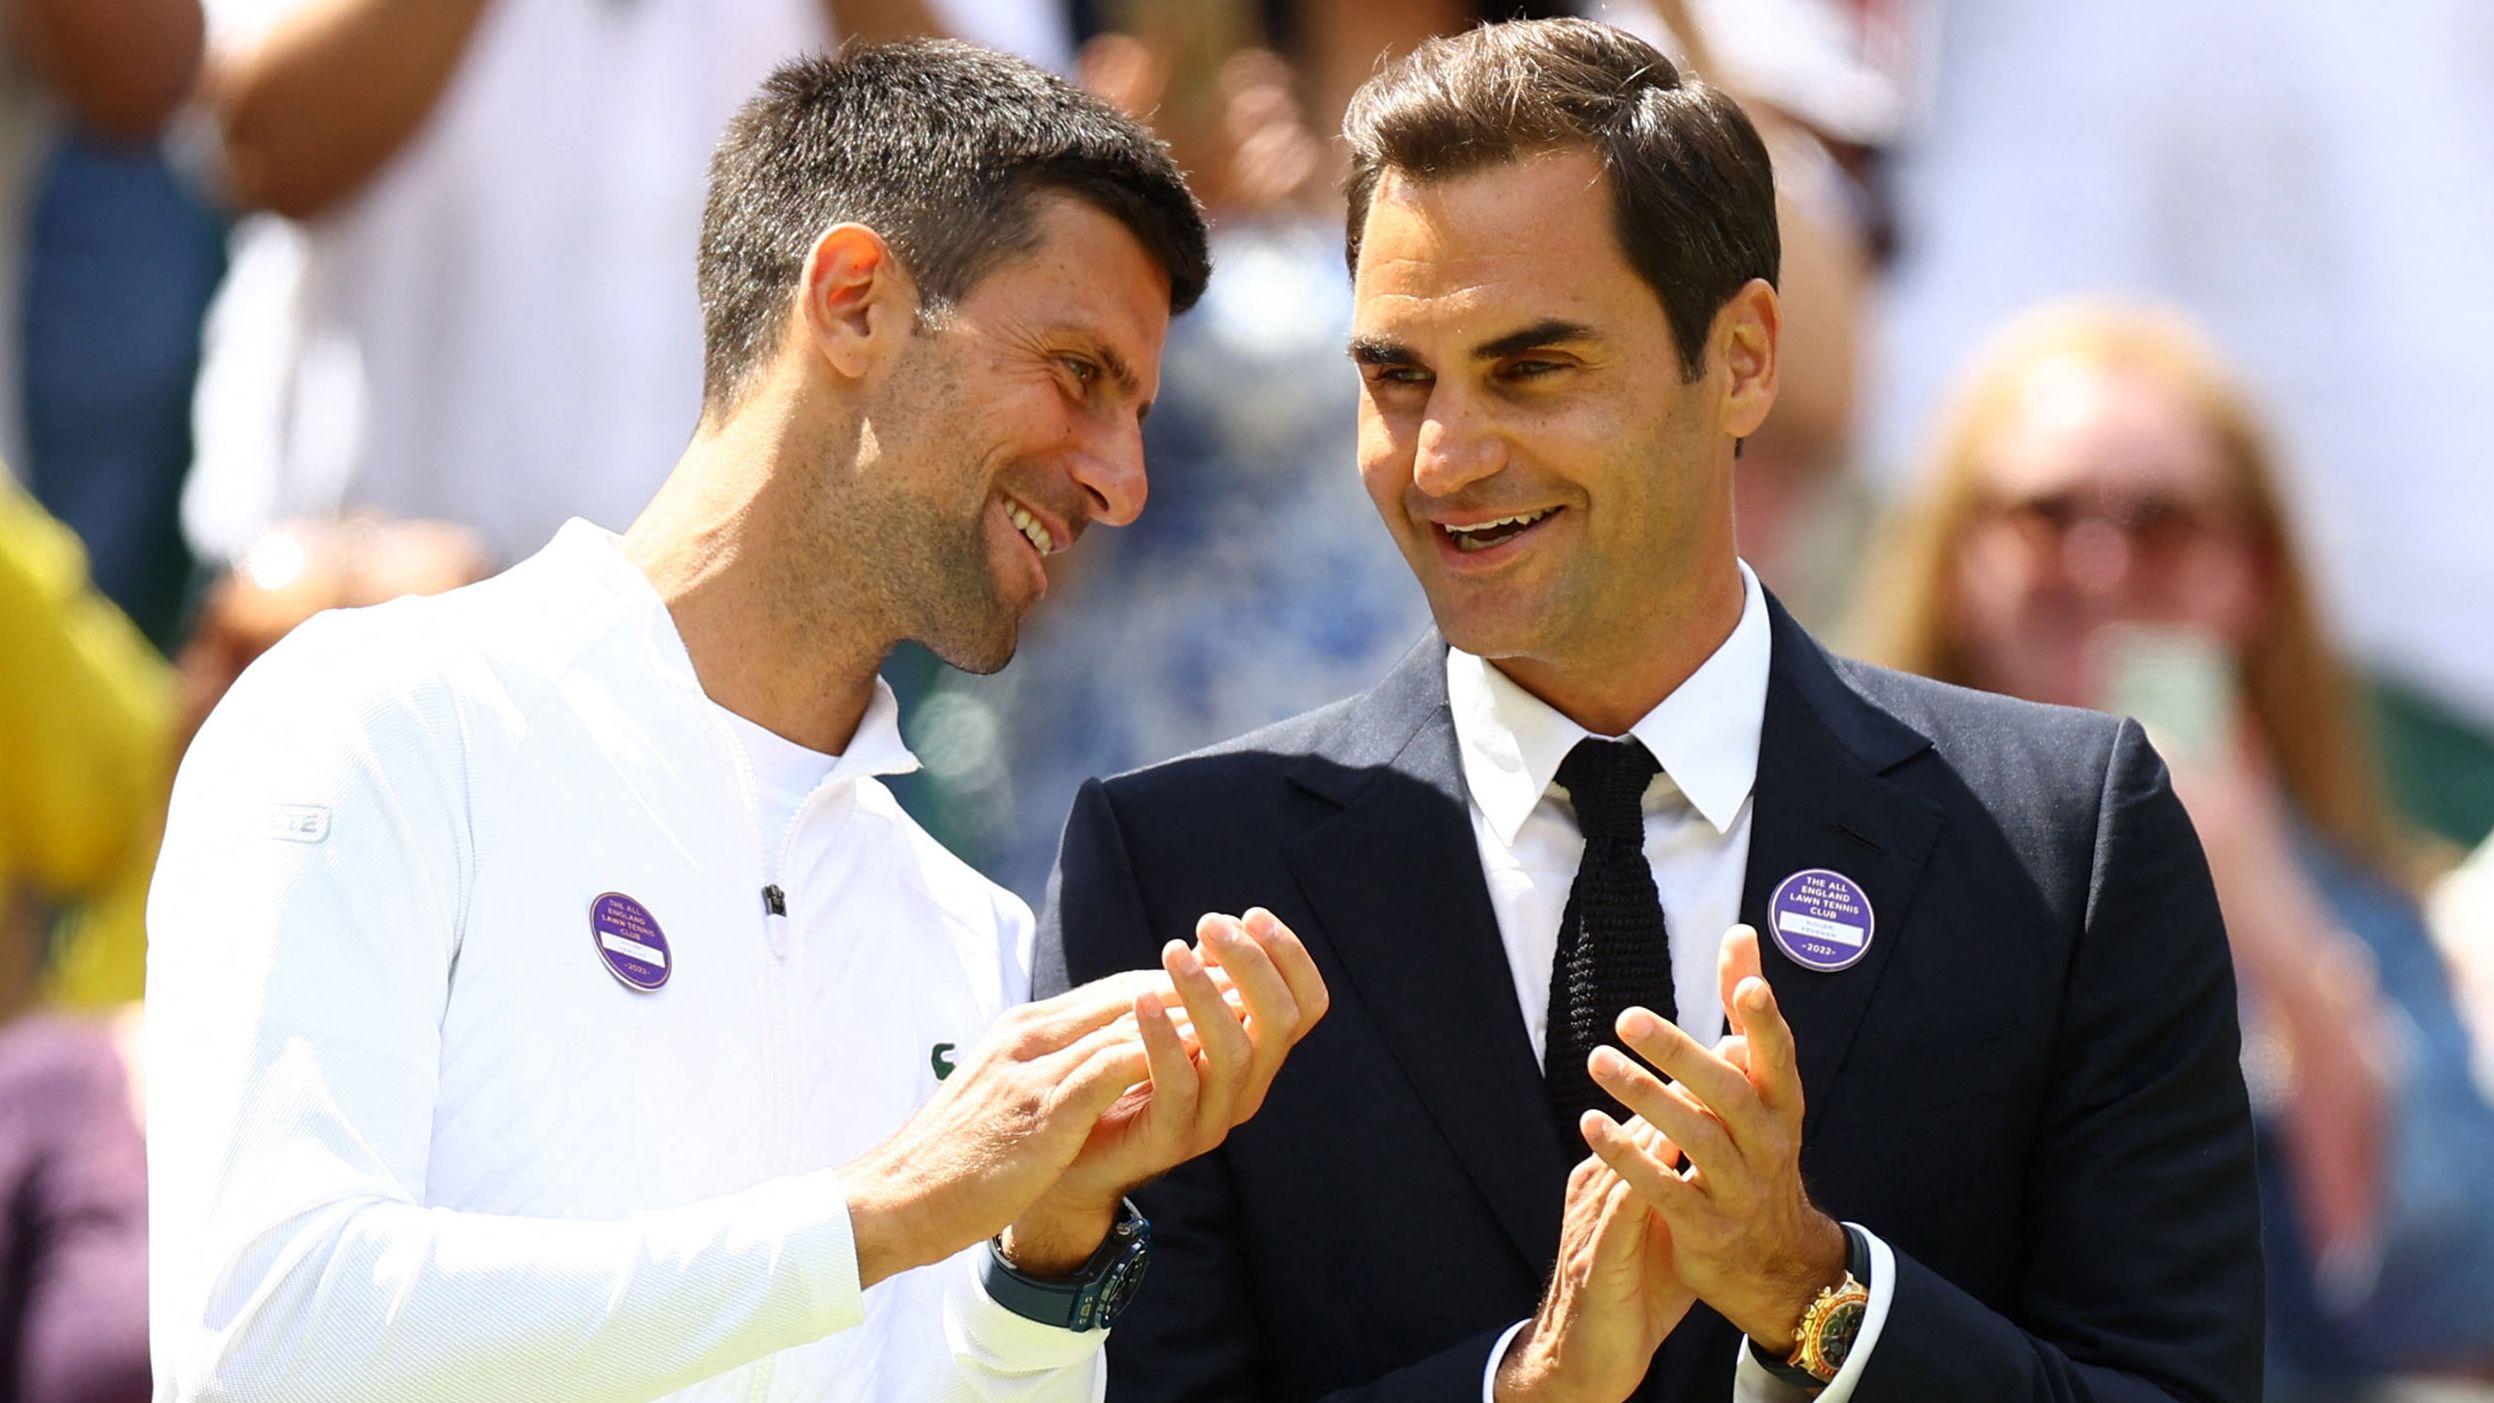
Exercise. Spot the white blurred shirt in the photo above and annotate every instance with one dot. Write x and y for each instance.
(500, 328)
(411, 1137)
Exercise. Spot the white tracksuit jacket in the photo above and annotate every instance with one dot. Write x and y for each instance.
(411, 1133)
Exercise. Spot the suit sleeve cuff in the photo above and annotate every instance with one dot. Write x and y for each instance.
(1498, 1356)
(992, 1339)
(1751, 1383)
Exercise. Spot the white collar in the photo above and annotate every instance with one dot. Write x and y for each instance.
(1705, 733)
(875, 749)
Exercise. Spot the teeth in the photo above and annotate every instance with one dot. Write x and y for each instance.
(1029, 526)
(1525, 520)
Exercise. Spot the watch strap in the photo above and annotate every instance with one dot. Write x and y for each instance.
(1090, 1299)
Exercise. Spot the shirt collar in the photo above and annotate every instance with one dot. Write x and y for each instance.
(875, 749)
(1705, 733)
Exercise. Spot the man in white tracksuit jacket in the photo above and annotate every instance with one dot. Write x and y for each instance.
(546, 999)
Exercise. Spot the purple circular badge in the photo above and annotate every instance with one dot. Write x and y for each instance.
(1821, 919)
(629, 940)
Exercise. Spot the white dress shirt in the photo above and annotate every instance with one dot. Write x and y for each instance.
(1697, 825)
(412, 1135)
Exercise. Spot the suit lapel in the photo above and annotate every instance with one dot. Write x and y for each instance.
(1395, 880)
(1822, 802)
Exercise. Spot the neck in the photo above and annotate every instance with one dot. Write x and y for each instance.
(725, 544)
(1610, 685)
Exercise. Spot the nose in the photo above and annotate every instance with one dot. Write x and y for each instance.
(1454, 450)
(2097, 557)
(1111, 474)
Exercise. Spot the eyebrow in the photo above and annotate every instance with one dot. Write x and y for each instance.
(1551, 331)
(1119, 371)
(1377, 350)
(1117, 368)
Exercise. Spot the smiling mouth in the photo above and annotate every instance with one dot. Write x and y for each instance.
(1030, 527)
(1482, 535)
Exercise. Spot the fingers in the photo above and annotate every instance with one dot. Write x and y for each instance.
(1717, 1084)
(1734, 1050)
(1175, 1086)
(1298, 968)
(1768, 1055)
(1052, 1024)
(1272, 1009)
(1583, 1174)
(1655, 1143)
(1668, 1109)
(1090, 1075)
(1227, 1050)
(1619, 1230)
(1644, 1170)
(1773, 1061)
(1735, 960)
(1274, 1019)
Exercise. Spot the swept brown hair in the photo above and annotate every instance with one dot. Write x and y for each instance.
(2297, 690)
(1692, 189)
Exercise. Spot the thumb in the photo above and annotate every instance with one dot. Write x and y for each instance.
(1618, 1242)
(1736, 960)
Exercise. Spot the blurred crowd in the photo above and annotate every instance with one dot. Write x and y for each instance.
(2137, 357)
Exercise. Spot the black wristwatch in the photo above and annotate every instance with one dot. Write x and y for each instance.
(1825, 1337)
(1090, 1299)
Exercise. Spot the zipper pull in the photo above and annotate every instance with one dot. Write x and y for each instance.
(775, 922)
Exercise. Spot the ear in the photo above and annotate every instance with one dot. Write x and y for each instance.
(856, 304)
(1748, 335)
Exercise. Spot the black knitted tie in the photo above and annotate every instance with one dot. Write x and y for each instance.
(1613, 954)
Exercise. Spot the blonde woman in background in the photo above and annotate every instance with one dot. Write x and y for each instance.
(2101, 525)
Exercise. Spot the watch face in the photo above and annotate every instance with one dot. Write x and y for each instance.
(1836, 1336)
(1120, 1286)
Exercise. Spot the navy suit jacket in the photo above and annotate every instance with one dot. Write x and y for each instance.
(2028, 1086)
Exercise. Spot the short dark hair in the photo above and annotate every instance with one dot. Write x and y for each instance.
(1692, 190)
(944, 149)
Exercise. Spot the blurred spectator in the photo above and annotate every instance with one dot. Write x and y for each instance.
(118, 70)
(73, 1214)
(300, 569)
(86, 712)
(85, 706)
(2101, 475)
(121, 259)
(465, 300)
(2308, 178)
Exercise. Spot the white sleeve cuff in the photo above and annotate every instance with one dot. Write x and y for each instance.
(822, 1242)
(994, 1340)
(1751, 1383)
(1498, 1356)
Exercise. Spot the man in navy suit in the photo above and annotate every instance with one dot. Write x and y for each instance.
(1954, 1110)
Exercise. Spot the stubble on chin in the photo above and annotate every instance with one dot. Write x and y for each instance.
(960, 612)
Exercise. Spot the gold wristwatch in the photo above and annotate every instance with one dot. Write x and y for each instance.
(1825, 1336)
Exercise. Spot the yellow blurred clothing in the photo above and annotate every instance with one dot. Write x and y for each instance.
(86, 719)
